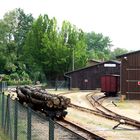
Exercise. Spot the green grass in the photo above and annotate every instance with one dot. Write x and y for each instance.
(22, 128)
(3, 136)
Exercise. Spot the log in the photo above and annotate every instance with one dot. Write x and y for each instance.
(42, 98)
(49, 103)
(21, 96)
(38, 103)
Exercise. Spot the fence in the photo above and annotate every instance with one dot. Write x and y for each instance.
(57, 84)
(22, 123)
(3, 86)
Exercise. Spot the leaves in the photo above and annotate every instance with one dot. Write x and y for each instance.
(38, 48)
(98, 46)
(13, 28)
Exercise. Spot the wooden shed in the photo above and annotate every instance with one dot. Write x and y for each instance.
(130, 75)
(89, 78)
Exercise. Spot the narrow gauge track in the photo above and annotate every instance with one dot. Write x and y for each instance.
(81, 132)
(103, 111)
(110, 114)
(84, 109)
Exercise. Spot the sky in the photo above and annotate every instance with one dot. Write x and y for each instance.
(118, 19)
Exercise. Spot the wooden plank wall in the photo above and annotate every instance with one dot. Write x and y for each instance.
(89, 78)
(130, 76)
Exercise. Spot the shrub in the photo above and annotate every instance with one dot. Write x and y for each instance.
(15, 82)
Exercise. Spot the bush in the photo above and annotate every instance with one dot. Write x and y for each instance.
(6, 78)
(14, 83)
(15, 79)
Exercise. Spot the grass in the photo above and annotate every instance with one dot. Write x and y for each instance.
(3, 136)
(22, 128)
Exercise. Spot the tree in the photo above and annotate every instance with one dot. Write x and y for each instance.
(33, 45)
(75, 41)
(14, 27)
(98, 46)
(38, 48)
(47, 49)
(24, 23)
(118, 51)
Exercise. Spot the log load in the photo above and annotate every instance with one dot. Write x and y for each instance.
(52, 105)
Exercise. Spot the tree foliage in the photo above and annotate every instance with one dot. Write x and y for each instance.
(13, 28)
(98, 46)
(38, 49)
(45, 47)
(118, 51)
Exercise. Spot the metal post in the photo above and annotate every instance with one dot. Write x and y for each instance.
(3, 109)
(56, 84)
(16, 120)
(73, 58)
(8, 114)
(29, 114)
(51, 129)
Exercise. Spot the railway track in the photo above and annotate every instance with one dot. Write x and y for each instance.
(110, 114)
(91, 111)
(81, 132)
(102, 111)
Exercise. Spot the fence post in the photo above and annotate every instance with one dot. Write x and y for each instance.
(29, 114)
(8, 114)
(51, 129)
(56, 84)
(3, 108)
(16, 119)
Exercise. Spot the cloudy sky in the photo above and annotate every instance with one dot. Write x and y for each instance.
(118, 19)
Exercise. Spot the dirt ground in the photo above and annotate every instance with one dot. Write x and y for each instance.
(130, 108)
(102, 126)
(99, 125)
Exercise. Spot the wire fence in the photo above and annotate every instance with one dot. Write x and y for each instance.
(20, 122)
(57, 84)
(51, 84)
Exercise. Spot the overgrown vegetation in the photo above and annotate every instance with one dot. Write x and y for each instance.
(37, 49)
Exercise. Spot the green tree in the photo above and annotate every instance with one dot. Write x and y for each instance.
(38, 48)
(13, 27)
(7, 46)
(47, 49)
(33, 47)
(98, 46)
(75, 41)
(118, 51)
(24, 23)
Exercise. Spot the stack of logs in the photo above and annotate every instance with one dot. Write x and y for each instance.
(40, 99)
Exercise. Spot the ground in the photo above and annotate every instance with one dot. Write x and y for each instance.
(102, 126)
(99, 125)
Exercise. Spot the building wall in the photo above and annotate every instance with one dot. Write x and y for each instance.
(130, 76)
(90, 78)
